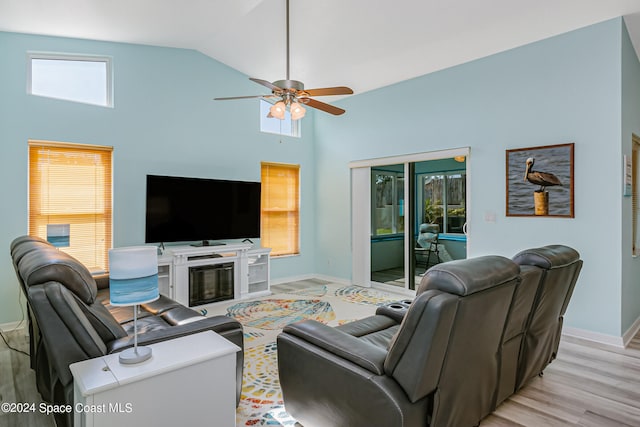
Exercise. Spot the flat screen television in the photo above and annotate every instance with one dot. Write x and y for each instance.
(181, 209)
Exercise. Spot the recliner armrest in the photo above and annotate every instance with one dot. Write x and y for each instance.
(346, 346)
(218, 324)
(102, 280)
(394, 310)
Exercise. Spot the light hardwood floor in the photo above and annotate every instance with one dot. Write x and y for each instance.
(588, 385)
(18, 383)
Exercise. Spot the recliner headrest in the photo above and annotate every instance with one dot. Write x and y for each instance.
(547, 257)
(47, 265)
(468, 276)
(25, 244)
(26, 239)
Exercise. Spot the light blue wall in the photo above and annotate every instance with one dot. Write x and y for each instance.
(630, 125)
(570, 88)
(559, 90)
(164, 122)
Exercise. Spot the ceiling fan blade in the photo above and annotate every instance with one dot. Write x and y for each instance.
(326, 91)
(243, 97)
(327, 108)
(266, 84)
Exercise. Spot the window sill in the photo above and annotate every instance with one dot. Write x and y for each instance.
(284, 256)
(453, 237)
(387, 237)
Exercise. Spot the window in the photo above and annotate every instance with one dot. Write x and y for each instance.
(280, 208)
(388, 202)
(70, 199)
(85, 79)
(443, 198)
(286, 127)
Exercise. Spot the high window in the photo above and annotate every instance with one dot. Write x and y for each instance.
(70, 199)
(86, 79)
(280, 208)
(286, 127)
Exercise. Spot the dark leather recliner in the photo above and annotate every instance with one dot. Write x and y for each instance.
(71, 319)
(515, 330)
(20, 247)
(438, 367)
(560, 266)
(488, 356)
(548, 277)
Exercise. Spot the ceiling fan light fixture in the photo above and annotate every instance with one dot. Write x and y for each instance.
(277, 110)
(297, 111)
(288, 91)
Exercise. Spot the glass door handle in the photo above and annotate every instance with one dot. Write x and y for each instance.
(464, 228)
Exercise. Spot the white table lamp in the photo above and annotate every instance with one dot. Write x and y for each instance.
(133, 280)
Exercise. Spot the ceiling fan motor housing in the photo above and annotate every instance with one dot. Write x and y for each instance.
(295, 85)
(291, 89)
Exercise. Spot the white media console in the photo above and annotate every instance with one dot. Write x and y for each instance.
(250, 269)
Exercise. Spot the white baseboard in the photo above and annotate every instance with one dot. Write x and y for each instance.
(338, 280)
(291, 279)
(394, 289)
(12, 326)
(621, 342)
(593, 336)
(631, 332)
(584, 334)
(344, 282)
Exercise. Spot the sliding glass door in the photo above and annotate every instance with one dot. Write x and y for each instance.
(441, 213)
(417, 214)
(388, 225)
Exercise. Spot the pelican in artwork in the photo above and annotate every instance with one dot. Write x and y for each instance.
(543, 179)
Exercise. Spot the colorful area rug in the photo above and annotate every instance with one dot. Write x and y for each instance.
(261, 402)
(359, 295)
(275, 314)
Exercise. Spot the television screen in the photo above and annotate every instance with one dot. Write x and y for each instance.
(181, 209)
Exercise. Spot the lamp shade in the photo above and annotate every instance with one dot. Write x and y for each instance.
(133, 275)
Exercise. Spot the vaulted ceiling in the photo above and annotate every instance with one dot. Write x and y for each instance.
(364, 44)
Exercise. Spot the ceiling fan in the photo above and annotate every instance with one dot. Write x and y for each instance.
(292, 93)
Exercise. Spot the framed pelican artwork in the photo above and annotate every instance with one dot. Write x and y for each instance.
(540, 181)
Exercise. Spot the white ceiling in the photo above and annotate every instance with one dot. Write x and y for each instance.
(363, 44)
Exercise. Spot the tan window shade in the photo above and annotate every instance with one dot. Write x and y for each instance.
(280, 218)
(70, 185)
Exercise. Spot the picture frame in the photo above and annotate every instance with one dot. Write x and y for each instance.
(539, 181)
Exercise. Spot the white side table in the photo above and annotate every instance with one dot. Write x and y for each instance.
(188, 381)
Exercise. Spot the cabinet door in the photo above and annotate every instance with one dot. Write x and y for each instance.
(258, 272)
(164, 280)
